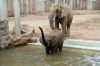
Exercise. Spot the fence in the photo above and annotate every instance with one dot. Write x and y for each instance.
(26, 7)
(32, 6)
(79, 4)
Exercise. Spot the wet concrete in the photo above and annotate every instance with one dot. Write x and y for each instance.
(78, 43)
(84, 44)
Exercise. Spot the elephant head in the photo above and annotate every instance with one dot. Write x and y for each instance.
(56, 11)
(46, 43)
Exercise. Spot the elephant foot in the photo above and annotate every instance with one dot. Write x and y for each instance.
(59, 29)
(67, 35)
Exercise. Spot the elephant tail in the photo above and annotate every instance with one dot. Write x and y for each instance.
(43, 37)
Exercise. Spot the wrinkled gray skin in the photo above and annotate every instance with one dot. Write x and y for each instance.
(53, 42)
(61, 14)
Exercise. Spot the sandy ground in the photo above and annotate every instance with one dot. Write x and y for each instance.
(85, 26)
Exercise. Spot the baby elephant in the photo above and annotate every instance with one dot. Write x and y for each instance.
(53, 42)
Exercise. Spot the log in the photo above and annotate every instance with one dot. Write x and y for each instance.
(8, 41)
(24, 38)
(25, 29)
(21, 40)
(5, 41)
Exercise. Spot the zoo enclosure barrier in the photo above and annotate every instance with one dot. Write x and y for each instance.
(35, 6)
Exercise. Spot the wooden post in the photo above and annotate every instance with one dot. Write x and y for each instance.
(77, 4)
(30, 6)
(89, 4)
(64, 1)
(3, 9)
(27, 6)
(39, 6)
(56, 1)
(33, 6)
(21, 7)
(17, 17)
(48, 5)
(71, 4)
(12, 8)
(85, 5)
(9, 7)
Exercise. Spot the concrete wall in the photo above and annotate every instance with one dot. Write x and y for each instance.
(35, 6)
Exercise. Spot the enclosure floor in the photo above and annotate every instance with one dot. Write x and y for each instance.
(86, 27)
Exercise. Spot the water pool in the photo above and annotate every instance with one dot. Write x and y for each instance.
(33, 55)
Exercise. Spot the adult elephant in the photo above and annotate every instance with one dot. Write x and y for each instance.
(61, 13)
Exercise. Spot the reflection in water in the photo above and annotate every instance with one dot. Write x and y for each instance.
(95, 60)
(35, 56)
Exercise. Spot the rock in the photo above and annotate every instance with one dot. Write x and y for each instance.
(5, 39)
(4, 29)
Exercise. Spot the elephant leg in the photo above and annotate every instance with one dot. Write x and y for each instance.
(47, 51)
(64, 29)
(60, 48)
(56, 24)
(68, 27)
(52, 50)
(55, 49)
(68, 31)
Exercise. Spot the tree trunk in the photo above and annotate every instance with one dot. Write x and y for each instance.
(7, 41)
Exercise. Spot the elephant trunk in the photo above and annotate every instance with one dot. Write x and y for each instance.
(51, 24)
(43, 37)
(51, 17)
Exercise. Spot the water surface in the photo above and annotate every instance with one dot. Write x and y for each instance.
(32, 55)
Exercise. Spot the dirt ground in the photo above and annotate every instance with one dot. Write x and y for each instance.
(86, 26)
